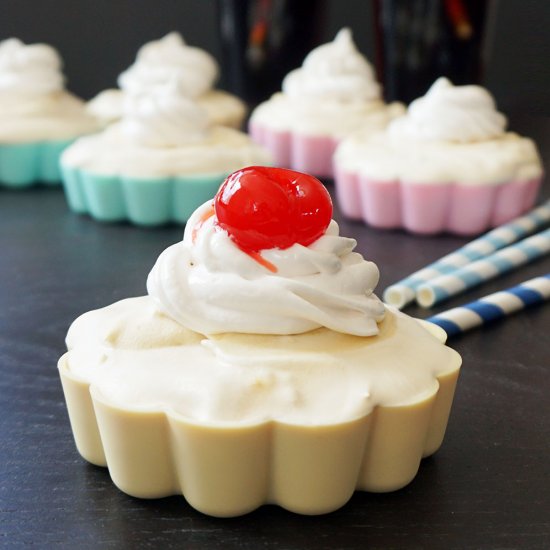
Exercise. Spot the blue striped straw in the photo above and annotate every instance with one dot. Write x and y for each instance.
(504, 260)
(494, 306)
(404, 291)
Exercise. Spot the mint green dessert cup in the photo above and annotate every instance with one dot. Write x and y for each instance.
(146, 201)
(26, 164)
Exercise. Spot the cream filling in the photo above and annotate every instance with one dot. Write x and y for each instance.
(55, 116)
(222, 107)
(140, 359)
(324, 116)
(111, 152)
(386, 157)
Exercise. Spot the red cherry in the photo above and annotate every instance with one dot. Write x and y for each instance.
(263, 207)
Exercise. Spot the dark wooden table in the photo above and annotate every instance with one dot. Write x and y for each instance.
(488, 486)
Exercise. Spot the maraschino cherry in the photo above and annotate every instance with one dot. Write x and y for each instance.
(262, 208)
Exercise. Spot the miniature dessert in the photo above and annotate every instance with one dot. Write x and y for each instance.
(161, 161)
(38, 117)
(447, 165)
(261, 368)
(167, 60)
(333, 94)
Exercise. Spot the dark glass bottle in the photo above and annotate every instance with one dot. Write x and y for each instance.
(419, 40)
(262, 40)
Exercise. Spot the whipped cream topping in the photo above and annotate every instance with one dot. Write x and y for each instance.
(33, 69)
(210, 285)
(163, 118)
(452, 113)
(34, 106)
(453, 134)
(336, 71)
(170, 59)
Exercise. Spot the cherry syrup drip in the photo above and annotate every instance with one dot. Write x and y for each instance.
(207, 214)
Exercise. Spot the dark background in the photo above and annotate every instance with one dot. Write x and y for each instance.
(99, 39)
(489, 485)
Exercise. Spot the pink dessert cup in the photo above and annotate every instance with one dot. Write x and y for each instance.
(428, 208)
(310, 154)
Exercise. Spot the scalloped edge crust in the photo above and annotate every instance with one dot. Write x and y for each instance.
(227, 471)
(431, 208)
(26, 164)
(142, 201)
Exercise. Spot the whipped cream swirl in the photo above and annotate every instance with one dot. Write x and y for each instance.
(167, 60)
(33, 69)
(451, 113)
(208, 284)
(163, 118)
(334, 71)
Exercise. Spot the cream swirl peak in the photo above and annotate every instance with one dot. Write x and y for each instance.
(33, 69)
(451, 113)
(334, 71)
(208, 284)
(169, 59)
(164, 117)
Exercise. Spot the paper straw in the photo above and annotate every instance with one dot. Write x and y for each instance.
(494, 306)
(502, 261)
(404, 291)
